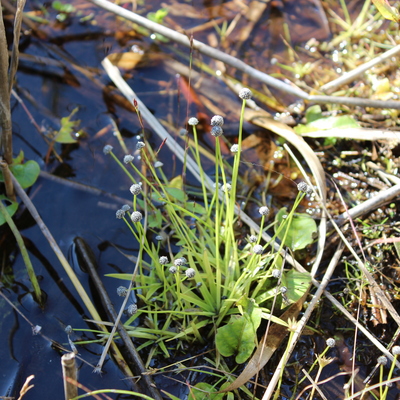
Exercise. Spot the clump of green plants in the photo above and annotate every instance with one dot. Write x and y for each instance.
(200, 275)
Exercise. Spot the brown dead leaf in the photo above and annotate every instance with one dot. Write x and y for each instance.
(127, 60)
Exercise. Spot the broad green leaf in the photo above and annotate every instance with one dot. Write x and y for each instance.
(387, 10)
(313, 113)
(239, 336)
(154, 219)
(68, 128)
(65, 8)
(158, 16)
(19, 159)
(296, 283)
(177, 194)
(26, 174)
(176, 182)
(195, 208)
(204, 391)
(300, 232)
(11, 208)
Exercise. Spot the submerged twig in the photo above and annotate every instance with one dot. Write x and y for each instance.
(240, 65)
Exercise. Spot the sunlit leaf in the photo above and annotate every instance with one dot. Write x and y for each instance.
(154, 219)
(387, 10)
(297, 283)
(299, 233)
(127, 60)
(239, 336)
(204, 391)
(11, 208)
(63, 7)
(67, 132)
(26, 174)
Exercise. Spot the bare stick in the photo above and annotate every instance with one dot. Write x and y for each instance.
(69, 375)
(7, 180)
(240, 65)
(352, 75)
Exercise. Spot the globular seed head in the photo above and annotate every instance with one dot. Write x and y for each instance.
(163, 260)
(258, 249)
(107, 149)
(264, 210)
(179, 262)
(245, 94)
(172, 270)
(252, 239)
(126, 207)
(132, 309)
(217, 120)
(158, 164)
(226, 188)
(140, 145)
(128, 159)
(235, 148)
(136, 216)
(68, 329)
(193, 121)
(283, 289)
(216, 131)
(302, 187)
(190, 273)
(396, 350)
(382, 360)
(135, 189)
(120, 214)
(122, 291)
(331, 342)
(276, 273)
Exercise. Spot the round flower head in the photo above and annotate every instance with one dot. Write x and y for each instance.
(396, 350)
(217, 120)
(226, 188)
(276, 273)
(190, 273)
(135, 189)
(264, 210)
(283, 289)
(159, 238)
(132, 309)
(331, 342)
(120, 214)
(122, 291)
(245, 94)
(235, 148)
(163, 260)
(216, 131)
(382, 360)
(172, 270)
(258, 249)
(302, 187)
(107, 149)
(158, 164)
(179, 262)
(140, 145)
(68, 329)
(125, 207)
(136, 216)
(193, 121)
(252, 239)
(128, 159)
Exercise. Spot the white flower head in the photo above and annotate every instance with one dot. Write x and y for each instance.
(217, 120)
(135, 189)
(216, 131)
(158, 164)
(190, 273)
(136, 216)
(245, 94)
(252, 239)
(140, 145)
(264, 210)
(331, 342)
(235, 148)
(107, 149)
(128, 159)
(193, 121)
(258, 249)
